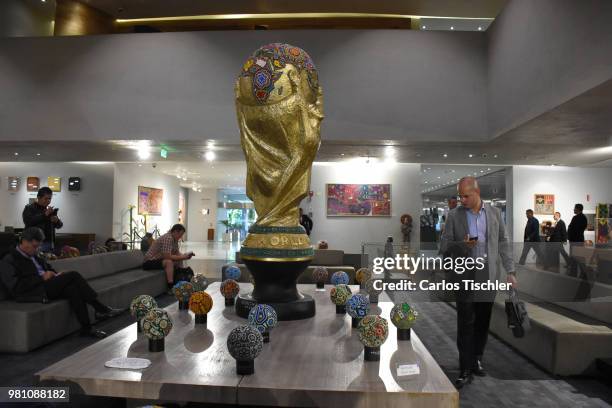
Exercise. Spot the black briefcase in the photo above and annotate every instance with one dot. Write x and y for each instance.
(518, 320)
(183, 274)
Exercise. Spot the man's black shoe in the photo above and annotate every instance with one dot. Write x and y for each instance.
(110, 312)
(91, 332)
(465, 377)
(479, 369)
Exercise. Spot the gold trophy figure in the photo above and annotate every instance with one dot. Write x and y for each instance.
(279, 105)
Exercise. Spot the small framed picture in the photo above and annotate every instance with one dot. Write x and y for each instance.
(54, 183)
(74, 184)
(13, 184)
(33, 184)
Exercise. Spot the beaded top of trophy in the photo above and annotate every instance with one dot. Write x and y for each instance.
(267, 74)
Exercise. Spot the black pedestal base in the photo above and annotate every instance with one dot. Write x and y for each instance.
(245, 367)
(200, 319)
(403, 334)
(156, 345)
(183, 305)
(303, 308)
(138, 328)
(321, 285)
(356, 321)
(266, 336)
(340, 309)
(371, 353)
(229, 301)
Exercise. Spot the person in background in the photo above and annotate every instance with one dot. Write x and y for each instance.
(575, 236)
(452, 203)
(305, 221)
(41, 215)
(164, 253)
(558, 236)
(531, 237)
(37, 281)
(475, 230)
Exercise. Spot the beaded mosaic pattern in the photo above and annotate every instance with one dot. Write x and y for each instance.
(199, 283)
(233, 272)
(320, 274)
(340, 278)
(340, 294)
(141, 305)
(245, 343)
(357, 306)
(266, 64)
(229, 288)
(370, 289)
(263, 317)
(363, 274)
(373, 331)
(182, 291)
(156, 324)
(200, 303)
(403, 316)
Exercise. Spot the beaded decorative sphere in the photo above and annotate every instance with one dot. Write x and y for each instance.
(320, 274)
(233, 272)
(263, 317)
(363, 274)
(373, 331)
(357, 306)
(200, 302)
(244, 343)
(156, 324)
(229, 288)
(340, 278)
(370, 289)
(403, 316)
(141, 305)
(199, 283)
(182, 291)
(340, 294)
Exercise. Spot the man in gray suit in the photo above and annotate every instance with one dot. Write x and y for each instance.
(475, 230)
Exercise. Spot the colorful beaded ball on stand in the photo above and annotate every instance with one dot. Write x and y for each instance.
(233, 272)
(200, 304)
(182, 291)
(199, 283)
(362, 275)
(263, 318)
(140, 306)
(373, 331)
(245, 343)
(357, 307)
(371, 290)
(340, 278)
(156, 325)
(403, 317)
(339, 295)
(320, 275)
(229, 289)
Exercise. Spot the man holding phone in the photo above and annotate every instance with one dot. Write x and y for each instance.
(475, 230)
(164, 253)
(41, 214)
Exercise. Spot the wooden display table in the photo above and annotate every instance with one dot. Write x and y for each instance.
(313, 362)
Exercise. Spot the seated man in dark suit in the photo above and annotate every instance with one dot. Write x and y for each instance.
(36, 281)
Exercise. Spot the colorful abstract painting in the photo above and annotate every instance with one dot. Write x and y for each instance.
(361, 200)
(150, 200)
(544, 204)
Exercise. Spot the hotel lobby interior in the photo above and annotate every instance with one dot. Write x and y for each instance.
(260, 201)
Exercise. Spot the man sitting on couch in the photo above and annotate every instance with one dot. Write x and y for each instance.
(34, 280)
(164, 253)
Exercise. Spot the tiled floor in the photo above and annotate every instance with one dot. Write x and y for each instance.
(210, 256)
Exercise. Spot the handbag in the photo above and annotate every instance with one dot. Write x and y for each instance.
(518, 320)
(183, 274)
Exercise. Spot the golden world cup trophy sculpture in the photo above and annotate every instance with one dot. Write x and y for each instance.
(279, 105)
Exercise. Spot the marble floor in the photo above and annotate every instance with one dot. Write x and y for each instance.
(210, 256)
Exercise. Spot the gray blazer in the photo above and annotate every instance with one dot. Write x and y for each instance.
(499, 249)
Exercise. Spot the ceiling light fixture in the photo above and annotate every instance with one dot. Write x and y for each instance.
(479, 28)
(445, 155)
(424, 27)
(452, 28)
(16, 154)
(210, 155)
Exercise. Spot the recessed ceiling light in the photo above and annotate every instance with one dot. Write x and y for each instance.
(470, 155)
(209, 155)
(424, 27)
(452, 28)
(16, 154)
(479, 28)
(445, 155)
(144, 154)
(438, 176)
(38, 154)
(495, 156)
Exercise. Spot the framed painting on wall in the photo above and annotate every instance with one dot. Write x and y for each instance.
(358, 200)
(150, 200)
(33, 184)
(544, 204)
(54, 183)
